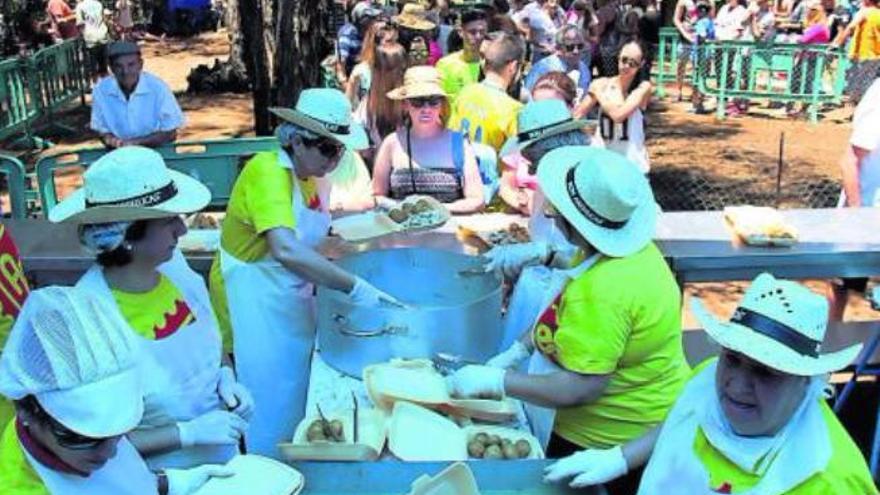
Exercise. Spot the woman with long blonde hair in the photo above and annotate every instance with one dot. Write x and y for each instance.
(380, 33)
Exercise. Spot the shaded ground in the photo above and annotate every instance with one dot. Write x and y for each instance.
(725, 160)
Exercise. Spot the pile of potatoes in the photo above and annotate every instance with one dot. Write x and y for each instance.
(409, 212)
(325, 431)
(486, 446)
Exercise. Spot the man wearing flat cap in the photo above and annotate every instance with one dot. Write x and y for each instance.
(133, 107)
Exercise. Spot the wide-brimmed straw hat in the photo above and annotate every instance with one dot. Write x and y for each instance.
(780, 324)
(418, 82)
(413, 16)
(131, 183)
(602, 195)
(326, 112)
(75, 353)
(538, 120)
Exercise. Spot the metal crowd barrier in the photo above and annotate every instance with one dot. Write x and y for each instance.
(216, 163)
(33, 89)
(787, 73)
(13, 170)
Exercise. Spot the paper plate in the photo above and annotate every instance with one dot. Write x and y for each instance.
(255, 474)
(204, 240)
(507, 433)
(405, 380)
(457, 479)
(760, 226)
(371, 439)
(495, 411)
(418, 434)
(373, 224)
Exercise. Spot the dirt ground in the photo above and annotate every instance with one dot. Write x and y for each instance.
(745, 147)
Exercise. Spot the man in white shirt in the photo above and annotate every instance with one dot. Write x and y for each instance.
(860, 169)
(133, 107)
(536, 20)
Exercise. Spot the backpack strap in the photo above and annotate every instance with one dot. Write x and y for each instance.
(458, 155)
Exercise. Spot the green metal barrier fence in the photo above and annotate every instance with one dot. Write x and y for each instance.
(788, 73)
(216, 163)
(35, 88)
(18, 108)
(666, 63)
(13, 170)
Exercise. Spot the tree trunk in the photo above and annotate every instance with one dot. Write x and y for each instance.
(301, 43)
(256, 62)
(232, 22)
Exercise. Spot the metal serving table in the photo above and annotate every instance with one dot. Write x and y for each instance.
(396, 477)
(841, 242)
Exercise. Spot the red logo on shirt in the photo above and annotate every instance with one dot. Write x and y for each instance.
(315, 202)
(546, 328)
(724, 488)
(181, 317)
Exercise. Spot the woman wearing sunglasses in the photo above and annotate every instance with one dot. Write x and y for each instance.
(263, 279)
(71, 368)
(128, 213)
(421, 156)
(622, 99)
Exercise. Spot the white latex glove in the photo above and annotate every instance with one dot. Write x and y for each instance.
(235, 395)
(365, 294)
(476, 381)
(186, 481)
(510, 358)
(512, 258)
(588, 467)
(212, 428)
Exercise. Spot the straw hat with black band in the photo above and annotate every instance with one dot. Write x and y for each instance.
(781, 325)
(539, 120)
(325, 112)
(420, 81)
(414, 17)
(131, 183)
(602, 195)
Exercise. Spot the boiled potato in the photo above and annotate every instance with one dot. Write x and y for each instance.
(523, 448)
(494, 440)
(315, 432)
(509, 451)
(398, 216)
(493, 452)
(336, 430)
(476, 449)
(483, 438)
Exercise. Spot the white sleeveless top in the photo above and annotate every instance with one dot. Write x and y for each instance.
(626, 138)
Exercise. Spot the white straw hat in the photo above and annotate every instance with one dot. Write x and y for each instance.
(326, 112)
(418, 82)
(77, 356)
(415, 17)
(602, 195)
(131, 183)
(538, 120)
(780, 324)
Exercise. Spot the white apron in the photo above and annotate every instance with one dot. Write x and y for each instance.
(181, 371)
(272, 312)
(799, 451)
(124, 474)
(536, 289)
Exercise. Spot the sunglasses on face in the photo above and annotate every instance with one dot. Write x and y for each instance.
(632, 63)
(432, 101)
(327, 147)
(71, 440)
(573, 47)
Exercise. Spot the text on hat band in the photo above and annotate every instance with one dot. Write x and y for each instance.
(540, 131)
(584, 208)
(151, 198)
(331, 127)
(777, 331)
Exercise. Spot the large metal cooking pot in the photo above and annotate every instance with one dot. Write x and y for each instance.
(449, 311)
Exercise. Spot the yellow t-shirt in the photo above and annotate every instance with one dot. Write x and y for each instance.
(456, 73)
(16, 474)
(488, 113)
(157, 313)
(621, 317)
(261, 200)
(846, 472)
(866, 38)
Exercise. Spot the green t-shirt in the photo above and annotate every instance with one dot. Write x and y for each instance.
(456, 73)
(621, 317)
(16, 474)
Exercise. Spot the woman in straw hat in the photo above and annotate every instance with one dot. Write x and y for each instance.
(263, 279)
(416, 35)
(128, 212)
(608, 357)
(72, 369)
(755, 419)
(420, 158)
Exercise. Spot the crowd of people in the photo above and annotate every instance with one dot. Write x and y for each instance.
(142, 378)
